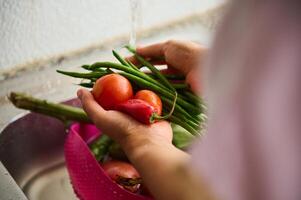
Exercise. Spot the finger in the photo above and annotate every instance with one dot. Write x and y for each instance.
(151, 51)
(133, 60)
(157, 62)
(114, 124)
(154, 61)
(96, 113)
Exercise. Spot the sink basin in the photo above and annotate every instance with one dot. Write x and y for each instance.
(31, 149)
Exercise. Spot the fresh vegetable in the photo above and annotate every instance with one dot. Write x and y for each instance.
(123, 173)
(116, 152)
(112, 89)
(146, 82)
(123, 61)
(188, 110)
(181, 137)
(60, 111)
(162, 79)
(152, 98)
(100, 147)
(139, 110)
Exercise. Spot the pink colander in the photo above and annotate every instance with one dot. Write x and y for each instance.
(88, 179)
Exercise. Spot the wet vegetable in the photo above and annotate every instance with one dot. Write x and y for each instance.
(139, 110)
(116, 152)
(188, 109)
(151, 98)
(100, 147)
(111, 90)
(124, 174)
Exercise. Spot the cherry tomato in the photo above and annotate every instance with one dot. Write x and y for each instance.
(116, 169)
(111, 90)
(150, 97)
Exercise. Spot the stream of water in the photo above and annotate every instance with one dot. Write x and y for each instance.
(135, 16)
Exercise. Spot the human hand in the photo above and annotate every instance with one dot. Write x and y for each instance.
(181, 56)
(128, 132)
(162, 166)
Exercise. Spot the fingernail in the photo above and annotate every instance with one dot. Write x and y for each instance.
(79, 94)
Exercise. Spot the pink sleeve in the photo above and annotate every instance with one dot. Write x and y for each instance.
(252, 148)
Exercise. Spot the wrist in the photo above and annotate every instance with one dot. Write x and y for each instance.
(136, 147)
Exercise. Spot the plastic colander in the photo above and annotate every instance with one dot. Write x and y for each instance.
(88, 179)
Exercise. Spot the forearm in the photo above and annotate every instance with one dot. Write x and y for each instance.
(166, 172)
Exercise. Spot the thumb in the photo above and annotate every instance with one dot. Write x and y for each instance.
(115, 124)
(95, 112)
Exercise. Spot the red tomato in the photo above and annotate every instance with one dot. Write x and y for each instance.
(150, 97)
(116, 169)
(111, 90)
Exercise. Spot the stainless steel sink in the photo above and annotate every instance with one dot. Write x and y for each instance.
(31, 149)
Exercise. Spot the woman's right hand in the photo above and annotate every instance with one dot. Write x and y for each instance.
(182, 56)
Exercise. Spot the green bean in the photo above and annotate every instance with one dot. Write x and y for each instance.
(178, 109)
(85, 67)
(170, 76)
(94, 79)
(100, 147)
(132, 65)
(195, 125)
(192, 121)
(174, 85)
(193, 97)
(120, 59)
(180, 86)
(163, 80)
(202, 117)
(191, 101)
(82, 75)
(184, 125)
(122, 68)
(86, 85)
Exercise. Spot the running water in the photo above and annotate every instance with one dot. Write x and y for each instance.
(135, 8)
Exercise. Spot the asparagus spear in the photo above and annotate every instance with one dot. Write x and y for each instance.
(60, 111)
